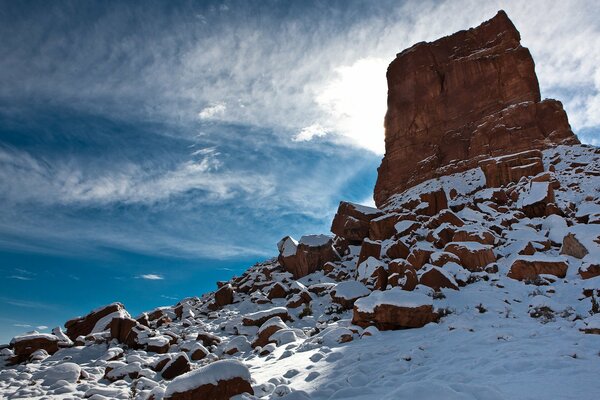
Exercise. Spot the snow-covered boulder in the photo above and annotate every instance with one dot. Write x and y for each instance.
(530, 267)
(220, 380)
(224, 295)
(25, 345)
(351, 221)
(68, 372)
(347, 292)
(180, 364)
(96, 321)
(473, 256)
(437, 278)
(394, 309)
(260, 317)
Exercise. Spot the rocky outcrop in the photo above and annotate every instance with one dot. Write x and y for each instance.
(224, 295)
(394, 309)
(530, 267)
(83, 326)
(500, 171)
(461, 99)
(351, 221)
(24, 346)
(308, 255)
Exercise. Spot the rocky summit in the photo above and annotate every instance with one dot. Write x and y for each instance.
(461, 99)
(476, 277)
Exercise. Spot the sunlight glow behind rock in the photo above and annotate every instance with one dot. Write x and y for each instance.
(355, 103)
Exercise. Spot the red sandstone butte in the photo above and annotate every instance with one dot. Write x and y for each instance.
(461, 99)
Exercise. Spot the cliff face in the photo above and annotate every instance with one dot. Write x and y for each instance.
(461, 99)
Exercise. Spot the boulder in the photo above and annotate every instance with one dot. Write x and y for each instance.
(312, 253)
(178, 365)
(530, 267)
(208, 339)
(260, 317)
(263, 337)
(394, 309)
(347, 292)
(588, 270)
(120, 328)
(288, 246)
(500, 171)
(473, 256)
(219, 380)
(83, 326)
(436, 278)
(369, 248)
(198, 352)
(373, 273)
(482, 236)
(402, 274)
(571, 246)
(352, 221)
(397, 249)
(460, 99)
(277, 291)
(445, 217)
(536, 200)
(383, 227)
(224, 295)
(25, 345)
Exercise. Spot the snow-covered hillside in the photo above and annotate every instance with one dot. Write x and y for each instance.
(499, 271)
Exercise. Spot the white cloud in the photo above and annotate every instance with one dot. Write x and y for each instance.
(310, 132)
(20, 277)
(152, 277)
(213, 112)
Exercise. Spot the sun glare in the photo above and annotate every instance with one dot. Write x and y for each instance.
(355, 101)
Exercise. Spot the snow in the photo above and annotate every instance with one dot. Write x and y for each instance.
(33, 336)
(315, 240)
(349, 290)
(103, 322)
(265, 313)
(537, 193)
(68, 372)
(368, 267)
(209, 375)
(365, 209)
(395, 297)
(287, 246)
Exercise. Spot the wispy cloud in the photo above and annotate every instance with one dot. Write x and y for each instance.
(152, 277)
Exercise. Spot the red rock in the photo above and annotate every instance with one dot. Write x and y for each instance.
(277, 291)
(383, 227)
(120, 328)
(397, 249)
(441, 235)
(530, 267)
(373, 273)
(369, 248)
(473, 256)
(346, 293)
(25, 345)
(536, 201)
(199, 353)
(402, 274)
(382, 310)
(193, 385)
(445, 217)
(573, 247)
(460, 99)
(482, 236)
(501, 171)
(436, 278)
(83, 326)
(419, 256)
(179, 365)
(224, 295)
(208, 339)
(312, 253)
(352, 221)
(260, 317)
(588, 271)
(263, 337)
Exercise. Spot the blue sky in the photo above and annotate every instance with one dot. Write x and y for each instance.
(150, 149)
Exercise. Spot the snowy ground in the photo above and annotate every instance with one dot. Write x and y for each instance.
(501, 338)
